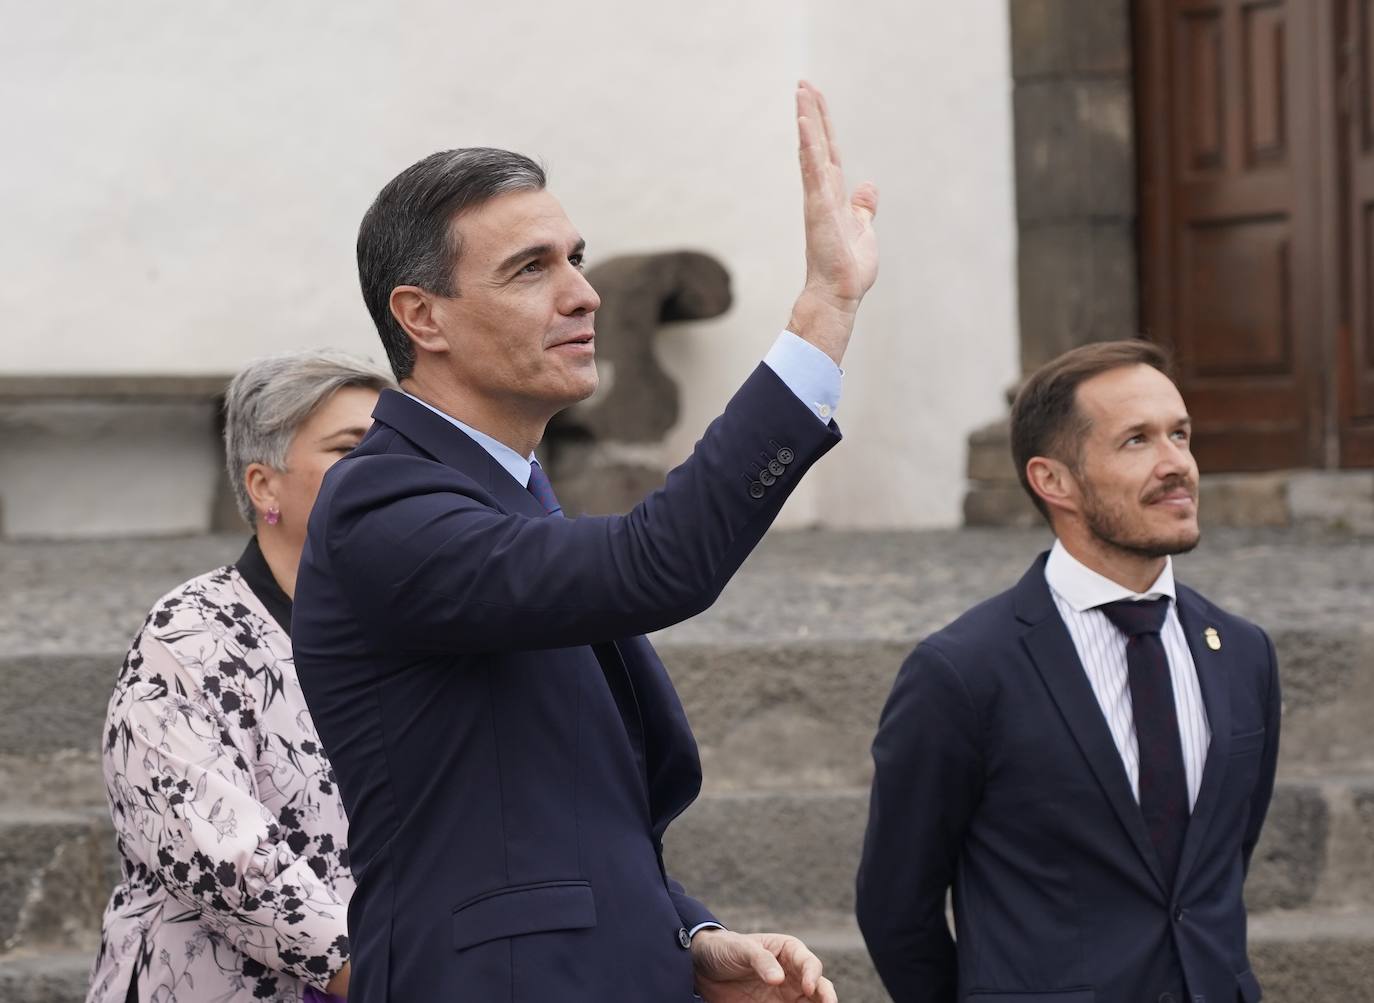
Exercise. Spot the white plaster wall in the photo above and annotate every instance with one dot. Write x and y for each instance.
(183, 182)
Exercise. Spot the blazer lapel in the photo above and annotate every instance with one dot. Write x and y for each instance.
(1052, 650)
(454, 448)
(1214, 679)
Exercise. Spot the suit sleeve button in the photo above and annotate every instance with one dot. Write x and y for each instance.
(776, 467)
(755, 490)
(767, 479)
(684, 939)
(785, 456)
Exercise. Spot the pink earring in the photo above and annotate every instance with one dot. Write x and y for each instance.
(272, 517)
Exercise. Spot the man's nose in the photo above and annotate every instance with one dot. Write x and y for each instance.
(578, 295)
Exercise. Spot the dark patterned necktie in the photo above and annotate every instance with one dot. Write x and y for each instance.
(1163, 780)
(541, 489)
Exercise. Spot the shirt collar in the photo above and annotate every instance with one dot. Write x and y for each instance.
(1083, 588)
(516, 465)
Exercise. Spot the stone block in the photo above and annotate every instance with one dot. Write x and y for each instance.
(1341, 499)
(1291, 854)
(47, 977)
(1002, 504)
(756, 855)
(1077, 286)
(1058, 37)
(104, 468)
(989, 454)
(1075, 150)
(1244, 500)
(56, 871)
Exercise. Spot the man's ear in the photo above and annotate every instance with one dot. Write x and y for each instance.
(1054, 483)
(414, 309)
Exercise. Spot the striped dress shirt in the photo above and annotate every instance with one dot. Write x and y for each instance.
(1102, 650)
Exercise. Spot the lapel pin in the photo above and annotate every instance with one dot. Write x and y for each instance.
(1213, 638)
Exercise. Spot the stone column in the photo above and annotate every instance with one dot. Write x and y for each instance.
(1076, 201)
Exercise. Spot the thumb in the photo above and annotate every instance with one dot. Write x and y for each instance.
(865, 199)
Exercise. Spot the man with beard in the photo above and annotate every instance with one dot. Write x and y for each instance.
(1085, 760)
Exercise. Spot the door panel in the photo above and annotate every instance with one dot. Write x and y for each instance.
(1230, 227)
(1355, 386)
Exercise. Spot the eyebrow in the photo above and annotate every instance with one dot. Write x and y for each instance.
(356, 430)
(1142, 426)
(536, 251)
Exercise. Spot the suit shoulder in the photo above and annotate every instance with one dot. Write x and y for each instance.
(986, 629)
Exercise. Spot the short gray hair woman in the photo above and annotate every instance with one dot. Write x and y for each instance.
(230, 829)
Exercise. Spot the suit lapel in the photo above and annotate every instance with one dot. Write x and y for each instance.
(1051, 649)
(1214, 679)
(454, 448)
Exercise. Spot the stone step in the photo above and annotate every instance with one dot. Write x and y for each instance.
(56, 871)
(1301, 957)
(45, 977)
(753, 854)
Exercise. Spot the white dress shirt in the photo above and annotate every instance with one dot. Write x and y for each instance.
(1102, 650)
(807, 371)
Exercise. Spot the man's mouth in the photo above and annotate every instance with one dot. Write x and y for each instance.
(1177, 495)
(576, 341)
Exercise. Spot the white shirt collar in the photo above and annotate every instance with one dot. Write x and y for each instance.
(1083, 588)
(516, 465)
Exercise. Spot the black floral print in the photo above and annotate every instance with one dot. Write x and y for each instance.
(229, 825)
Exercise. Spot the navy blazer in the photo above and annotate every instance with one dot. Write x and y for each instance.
(509, 749)
(997, 777)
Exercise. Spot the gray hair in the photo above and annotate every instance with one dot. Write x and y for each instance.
(406, 237)
(269, 400)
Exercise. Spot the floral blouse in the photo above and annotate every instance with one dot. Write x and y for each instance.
(230, 830)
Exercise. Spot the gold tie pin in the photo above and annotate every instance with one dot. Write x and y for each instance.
(1213, 638)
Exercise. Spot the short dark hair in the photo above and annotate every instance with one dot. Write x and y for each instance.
(406, 237)
(1045, 420)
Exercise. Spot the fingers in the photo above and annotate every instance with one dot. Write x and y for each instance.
(804, 965)
(832, 146)
(764, 964)
(825, 992)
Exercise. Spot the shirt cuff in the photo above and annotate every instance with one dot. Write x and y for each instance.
(702, 926)
(808, 372)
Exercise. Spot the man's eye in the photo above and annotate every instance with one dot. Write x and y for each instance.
(530, 268)
(578, 261)
(1135, 439)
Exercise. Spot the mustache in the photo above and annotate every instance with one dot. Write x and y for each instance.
(1171, 485)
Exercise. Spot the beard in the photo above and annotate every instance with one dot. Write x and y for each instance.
(1121, 528)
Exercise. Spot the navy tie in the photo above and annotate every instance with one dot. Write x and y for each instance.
(541, 489)
(608, 655)
(1163, 780)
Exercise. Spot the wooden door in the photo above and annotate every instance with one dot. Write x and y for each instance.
(1230, 160)
(1354, 383)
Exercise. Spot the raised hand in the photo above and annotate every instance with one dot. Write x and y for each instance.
(757, 968)
(841, 246)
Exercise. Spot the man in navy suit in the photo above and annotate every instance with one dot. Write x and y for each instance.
(1085, 760)
(507, 745)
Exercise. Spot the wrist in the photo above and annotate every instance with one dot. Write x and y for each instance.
(824, 320)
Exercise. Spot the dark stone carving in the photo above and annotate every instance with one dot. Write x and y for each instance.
(602, 451)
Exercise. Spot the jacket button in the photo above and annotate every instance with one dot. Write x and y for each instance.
(767, 479)
(684, 939)
(1167, 998)
(785, 456)
(755, 490)
(1178, 916)
(775, 467)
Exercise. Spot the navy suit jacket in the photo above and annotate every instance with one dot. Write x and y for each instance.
(509, 749)
(996, 776)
